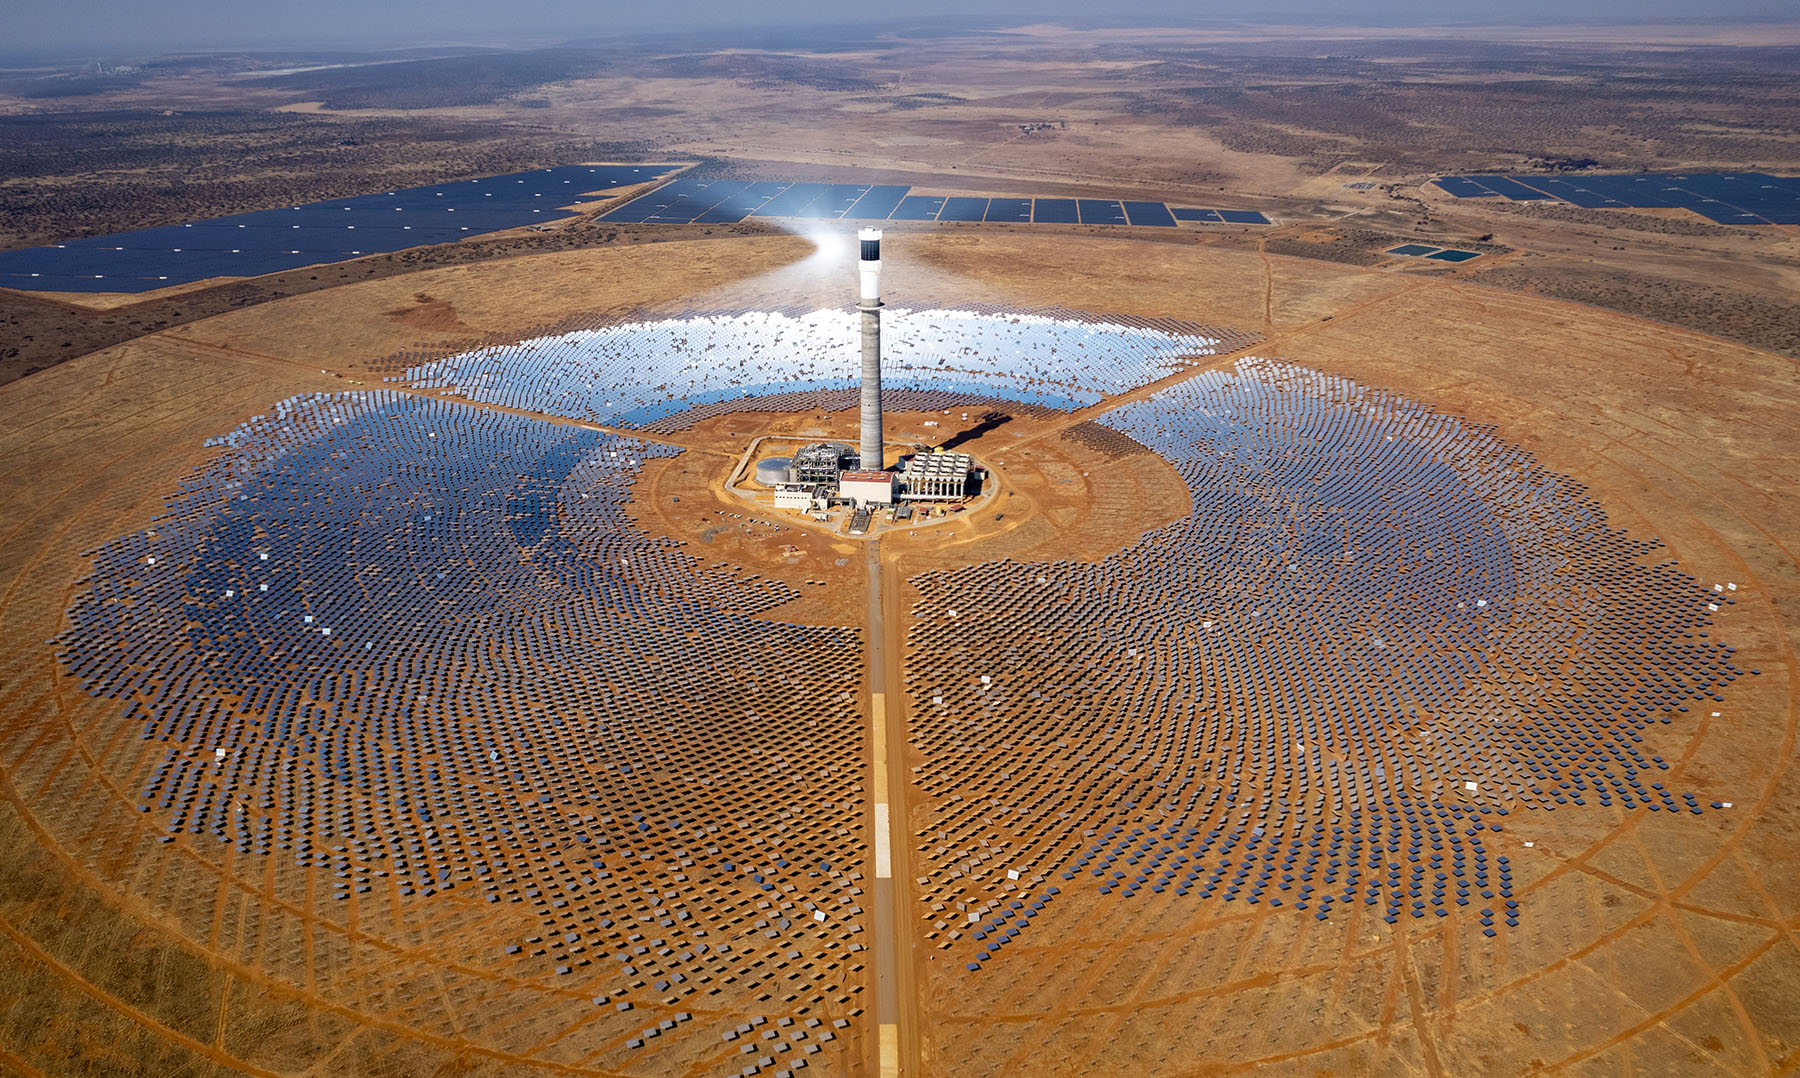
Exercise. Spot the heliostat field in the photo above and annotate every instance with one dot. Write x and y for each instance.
(1379, 633)
(396, 659)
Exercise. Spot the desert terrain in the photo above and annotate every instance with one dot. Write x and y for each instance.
(1331, 132)
(1648, 357)
(1683, 439)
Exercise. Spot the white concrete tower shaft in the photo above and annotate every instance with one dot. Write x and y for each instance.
(869, 303)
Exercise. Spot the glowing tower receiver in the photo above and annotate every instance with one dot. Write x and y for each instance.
(870, 305)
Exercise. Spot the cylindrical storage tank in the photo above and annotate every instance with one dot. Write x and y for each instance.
(775, 470)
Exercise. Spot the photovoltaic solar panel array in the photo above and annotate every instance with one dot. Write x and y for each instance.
(698, 201)
(1730, 198)
(252, 244)
(269, 241)
(1441, 254)
(1230, 217)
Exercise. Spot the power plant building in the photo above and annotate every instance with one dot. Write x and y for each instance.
(867, 488)
(937, 477)
(802, 496)
(822, 463)
(826, 472)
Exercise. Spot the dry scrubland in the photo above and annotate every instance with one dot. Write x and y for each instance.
(1653, 943)
(1277, 119)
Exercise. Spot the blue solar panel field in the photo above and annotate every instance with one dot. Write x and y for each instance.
(1512, 189)
(787, 204)
(1729, 198)
(1463, 187)
(918, 208)
(691, 201)
(880, 202)
(251, 244)
(835, 202)
(1150, 213)
(1009, 209)
(1441, 254)
(963, 209)
(1100, 211)
(1229, 217)
(741, 205)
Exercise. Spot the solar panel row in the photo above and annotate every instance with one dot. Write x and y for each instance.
(880, 201)
(1463, 187)
(1229, 217)
(1150, 213)
(1729, 198)
(694, 201)
(268, 241)
(963, 209)
(918, 208)
(1009, 209)
(1442, 254)
(1100, 211)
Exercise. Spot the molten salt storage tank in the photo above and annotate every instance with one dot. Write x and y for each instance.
(775, 470)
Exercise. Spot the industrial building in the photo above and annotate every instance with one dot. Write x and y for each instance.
(867, 488)
(802, 496)
(826, 472)
(937, 477)
(822, 462)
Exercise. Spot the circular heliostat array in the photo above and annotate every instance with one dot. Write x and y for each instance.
(411, 647)
(664, 375)
(1378, 632)
(409, 651)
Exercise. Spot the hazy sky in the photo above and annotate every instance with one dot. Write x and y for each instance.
(81, 25)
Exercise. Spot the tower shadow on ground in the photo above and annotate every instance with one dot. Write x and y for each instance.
(989, 422)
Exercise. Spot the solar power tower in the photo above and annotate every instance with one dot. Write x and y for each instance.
(870, 305)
